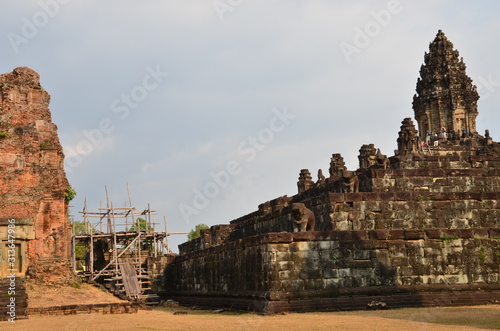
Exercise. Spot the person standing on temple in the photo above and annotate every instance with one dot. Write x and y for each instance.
(464, 133)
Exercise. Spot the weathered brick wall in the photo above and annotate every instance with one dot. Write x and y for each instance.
(13, 298)
(283, 266)
(32, 181)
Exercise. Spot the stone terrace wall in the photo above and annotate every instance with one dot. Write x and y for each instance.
(368, 211)
(433, 180)
(299, 266)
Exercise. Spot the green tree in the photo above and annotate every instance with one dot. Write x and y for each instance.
(195, 233)
(78, 227)
(143, 225)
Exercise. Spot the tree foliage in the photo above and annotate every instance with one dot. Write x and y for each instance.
(69, 194)
(195, 233)
(143, 225)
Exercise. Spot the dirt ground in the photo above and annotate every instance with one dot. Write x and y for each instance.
(446, 318)
(80, 293)
(414, 319)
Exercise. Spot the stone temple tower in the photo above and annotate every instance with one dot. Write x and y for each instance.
(445, 94)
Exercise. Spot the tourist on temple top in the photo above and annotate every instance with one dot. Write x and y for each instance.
(464, 133)
(428, 138)
(436, 140)
(443, 135)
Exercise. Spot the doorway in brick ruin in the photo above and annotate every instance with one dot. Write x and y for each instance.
(12, 259)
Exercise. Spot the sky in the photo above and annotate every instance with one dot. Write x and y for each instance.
(207, 108)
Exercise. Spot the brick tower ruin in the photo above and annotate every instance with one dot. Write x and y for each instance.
(446, 97)
(420, 228)
(33, 185)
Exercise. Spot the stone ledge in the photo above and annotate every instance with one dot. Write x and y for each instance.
(379, 235)
(101, 308)
(349, 301)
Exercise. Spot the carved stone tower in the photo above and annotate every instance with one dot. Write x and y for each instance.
(445, 95)
(305, 180)
(337, 166)
(408, 141)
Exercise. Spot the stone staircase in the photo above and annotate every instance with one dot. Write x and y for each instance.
(132, 284)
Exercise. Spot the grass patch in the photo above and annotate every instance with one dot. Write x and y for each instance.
(78, 285)
(445, 237)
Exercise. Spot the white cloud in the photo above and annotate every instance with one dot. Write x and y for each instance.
(225, 79)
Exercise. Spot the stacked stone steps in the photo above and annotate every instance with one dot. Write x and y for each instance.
(12, 288)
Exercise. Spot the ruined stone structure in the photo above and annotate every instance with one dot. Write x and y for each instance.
(420, 228)
(305, 180)
(446, 97)
(33, 184)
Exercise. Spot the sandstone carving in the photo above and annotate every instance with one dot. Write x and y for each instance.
(446, 97)
(302, 217)
(321, 178)
(367, 156)
(305, 180)
(350, 182)
(382, 160)
(337, 166)
(408, 140)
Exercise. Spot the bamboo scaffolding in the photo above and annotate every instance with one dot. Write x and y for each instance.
(115, 239)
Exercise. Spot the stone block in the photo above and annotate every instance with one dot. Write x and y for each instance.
(292, 285)
(379, 234)
(433, 233)
(400, 261)
(336, 197)
(359, 235)
(344, 272)
(330, 273)
(359, 254)
(414, 234)
(494, 233)
(332, 283)
(287, 275)
(458, 233)
(310, 274)
(342, 235)
(303, 236)
(279, 247)
(283, 256)
(324, 245)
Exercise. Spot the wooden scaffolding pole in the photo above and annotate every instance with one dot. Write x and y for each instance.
(115, 246)
(115, 260)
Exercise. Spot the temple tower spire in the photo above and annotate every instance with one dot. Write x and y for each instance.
(445, 94)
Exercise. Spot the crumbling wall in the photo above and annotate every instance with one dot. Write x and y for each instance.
(33, 183)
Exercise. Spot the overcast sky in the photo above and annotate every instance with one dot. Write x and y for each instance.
(209, 108)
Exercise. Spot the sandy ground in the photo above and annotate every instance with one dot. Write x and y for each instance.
(81, 293)
(414, 319)
(446, 318)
